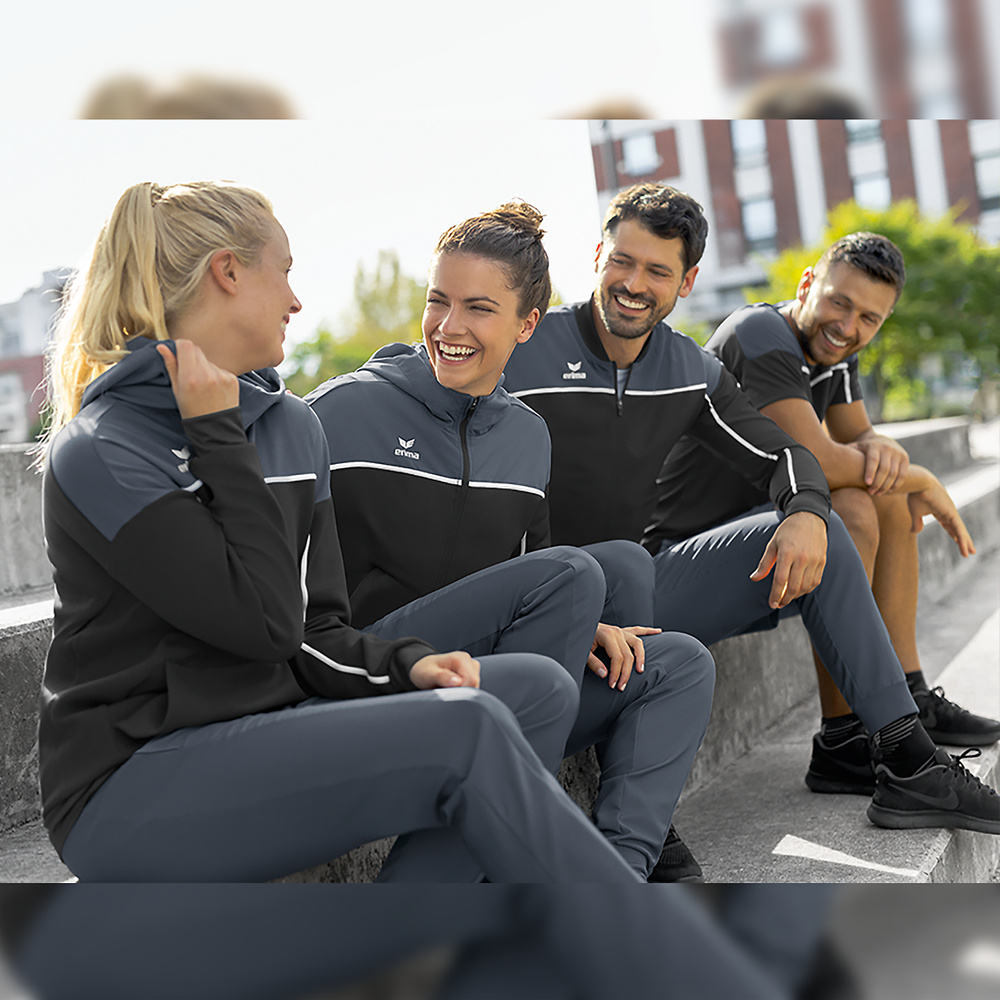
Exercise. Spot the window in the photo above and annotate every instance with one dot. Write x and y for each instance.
(873, 191)
(760, 225)
(749, 142)
(863, 129)
(783, 39)
(639, 154)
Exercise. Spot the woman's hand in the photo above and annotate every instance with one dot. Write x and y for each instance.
(200, 387)
(441, 670)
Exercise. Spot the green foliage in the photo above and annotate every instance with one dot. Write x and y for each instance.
(386, 309)
(948, 306)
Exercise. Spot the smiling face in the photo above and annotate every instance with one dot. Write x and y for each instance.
(838, 310)
(640, 278)
(471, 323)
(267, 303)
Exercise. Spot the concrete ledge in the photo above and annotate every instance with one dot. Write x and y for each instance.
(761, 678)
(22, 555)
(942, 445)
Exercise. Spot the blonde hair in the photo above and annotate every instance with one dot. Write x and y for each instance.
(147, 267)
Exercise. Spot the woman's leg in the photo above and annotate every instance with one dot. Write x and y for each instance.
(269, 794)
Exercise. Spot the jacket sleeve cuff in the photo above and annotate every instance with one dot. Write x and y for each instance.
(812, 503)
(215, 430)
(403, 662)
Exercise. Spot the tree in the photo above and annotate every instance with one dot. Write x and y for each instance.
(386, 309)
(948, 306)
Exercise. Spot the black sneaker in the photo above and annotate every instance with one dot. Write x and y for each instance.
(949, 723)
(942, 793)
(677, 863)
(845, 768)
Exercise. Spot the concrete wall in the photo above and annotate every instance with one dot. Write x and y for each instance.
(22, 553)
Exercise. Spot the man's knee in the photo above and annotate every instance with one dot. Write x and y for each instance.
(857, 510)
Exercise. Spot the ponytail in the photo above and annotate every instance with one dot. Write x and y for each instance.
(147, 267)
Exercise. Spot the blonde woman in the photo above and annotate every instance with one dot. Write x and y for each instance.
(208, 713)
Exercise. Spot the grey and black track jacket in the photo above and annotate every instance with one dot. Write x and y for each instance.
(434, 484)
(197, 572)
(607, 450)
(759, 349)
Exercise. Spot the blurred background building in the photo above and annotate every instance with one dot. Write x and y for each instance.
(25, 326)
(895, 58)
(767, 185)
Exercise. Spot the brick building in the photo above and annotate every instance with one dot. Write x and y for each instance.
(767, 185)
(898, 58)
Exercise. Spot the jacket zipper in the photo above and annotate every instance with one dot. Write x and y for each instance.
(619, 400)
(463, 493)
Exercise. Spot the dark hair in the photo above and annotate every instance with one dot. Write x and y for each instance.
(874, 255)
(511, 235)
(665, 212)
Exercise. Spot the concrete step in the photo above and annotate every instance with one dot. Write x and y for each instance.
(761, 678)
(757, 821)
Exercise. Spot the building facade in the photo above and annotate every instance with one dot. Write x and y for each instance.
(25, 326)
(897, 58)
(767, 185)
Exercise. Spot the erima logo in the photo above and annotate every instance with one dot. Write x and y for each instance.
(184, 454)
(574, 370)
(404, 448)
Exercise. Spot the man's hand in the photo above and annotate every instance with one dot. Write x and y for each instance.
(624, 650)
(886, 463)
(797, 553)
(935, 500)
(442, 670)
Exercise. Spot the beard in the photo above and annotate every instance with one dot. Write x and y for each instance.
(628, 327)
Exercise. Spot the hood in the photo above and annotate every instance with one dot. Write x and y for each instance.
(141, 379)
(408, 368)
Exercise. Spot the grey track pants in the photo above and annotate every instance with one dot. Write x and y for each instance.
(703, 587)
(646, 736)
(288, 942)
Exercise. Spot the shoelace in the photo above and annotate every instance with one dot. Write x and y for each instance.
(940, 699)
(964, 773)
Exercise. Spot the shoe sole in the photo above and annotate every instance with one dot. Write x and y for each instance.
(897, 819)
(829, 786)
(675, 881)
(963, 739)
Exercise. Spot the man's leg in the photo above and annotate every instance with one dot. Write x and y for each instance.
(630, 576)
(847, 630)
(270, 794)
(703, 587)
(881, 531)
(646, 737)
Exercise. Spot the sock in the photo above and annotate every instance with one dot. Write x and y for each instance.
(838, 729)
(915, 682)
(903, 746)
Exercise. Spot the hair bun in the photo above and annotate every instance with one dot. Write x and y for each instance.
(521, 215)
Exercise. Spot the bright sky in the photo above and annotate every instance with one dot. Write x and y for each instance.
(415, 116)
(436, 58)
(342, 191)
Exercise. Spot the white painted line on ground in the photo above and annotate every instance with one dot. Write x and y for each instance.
(981, 958)
(799, 848)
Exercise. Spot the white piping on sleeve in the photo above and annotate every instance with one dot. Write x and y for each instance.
(743, 441)
(791, 471)
(303, 570)
(344, 668)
